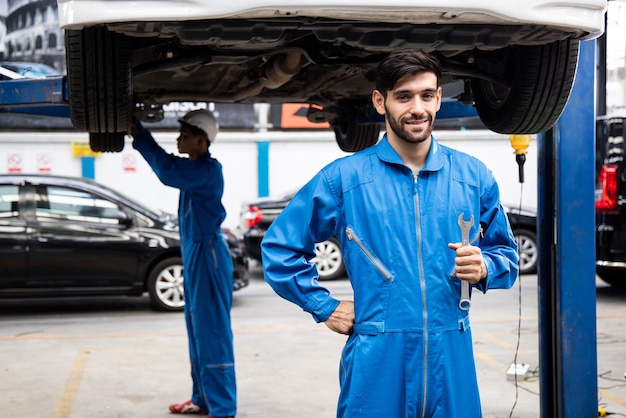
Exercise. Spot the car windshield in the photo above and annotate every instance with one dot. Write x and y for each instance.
(30, 69)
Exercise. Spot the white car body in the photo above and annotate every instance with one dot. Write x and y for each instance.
(585, 17)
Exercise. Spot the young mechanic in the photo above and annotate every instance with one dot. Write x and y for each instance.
(207, 263)
(396, 210)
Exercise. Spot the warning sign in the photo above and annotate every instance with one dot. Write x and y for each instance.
(82, 149)
(44, 163)
(14, 163)
(129, 162)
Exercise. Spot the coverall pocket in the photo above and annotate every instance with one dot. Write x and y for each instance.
(370, 256)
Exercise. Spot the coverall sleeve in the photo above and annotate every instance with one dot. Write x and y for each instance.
(181, 173)
(289, 245)
(498, 243)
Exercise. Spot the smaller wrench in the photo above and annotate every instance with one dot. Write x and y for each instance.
(465, 303)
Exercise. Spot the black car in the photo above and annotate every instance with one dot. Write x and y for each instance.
(257, 215)
(63, 236)
(611, 202)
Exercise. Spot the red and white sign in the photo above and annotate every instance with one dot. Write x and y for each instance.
(44, 163)
(129, 162)
(14, 163)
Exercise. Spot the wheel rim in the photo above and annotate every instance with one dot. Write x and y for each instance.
(169, 286)
(328, 259)
(527, 253)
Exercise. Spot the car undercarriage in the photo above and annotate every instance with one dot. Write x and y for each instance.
(517, 77)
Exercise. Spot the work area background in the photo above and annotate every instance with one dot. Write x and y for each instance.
(293, 157)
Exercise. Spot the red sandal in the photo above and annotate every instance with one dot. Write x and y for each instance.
(186, 408)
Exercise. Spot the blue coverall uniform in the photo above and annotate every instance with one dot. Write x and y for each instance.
(208, 271)
(410, 352)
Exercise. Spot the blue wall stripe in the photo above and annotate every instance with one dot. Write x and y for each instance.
(263, 148)
(89, 167)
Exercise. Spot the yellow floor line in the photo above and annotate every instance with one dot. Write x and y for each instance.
(608, 396)
(68, 396)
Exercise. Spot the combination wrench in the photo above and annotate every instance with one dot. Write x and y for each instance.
(464, 302)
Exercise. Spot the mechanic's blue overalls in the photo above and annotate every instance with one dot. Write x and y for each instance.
(208, 272)
(410, 353)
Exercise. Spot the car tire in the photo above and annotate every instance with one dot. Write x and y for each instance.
(99, 78)
(165, 285)
(528, 251)
(538, 83)
(329, 260)
(352, 136)
(612, 277)
(107, 142)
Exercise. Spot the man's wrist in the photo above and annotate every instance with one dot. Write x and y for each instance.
(483, 270)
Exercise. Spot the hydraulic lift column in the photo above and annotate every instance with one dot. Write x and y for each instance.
(566, 239)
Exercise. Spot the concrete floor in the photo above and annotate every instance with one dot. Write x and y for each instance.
(114, 357)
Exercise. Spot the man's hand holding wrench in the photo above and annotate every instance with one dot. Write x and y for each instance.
(469, 264)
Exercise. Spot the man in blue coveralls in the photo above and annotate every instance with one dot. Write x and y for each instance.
(208, 283)
(396, 209)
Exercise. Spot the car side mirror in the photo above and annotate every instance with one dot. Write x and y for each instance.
(124, 219)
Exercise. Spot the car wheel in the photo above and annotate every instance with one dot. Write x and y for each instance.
(614, 278)
(99, 78)
(533, 88)
(528, 251)
(352, 136)
(329, 260)
(165, 285)
(107, 142)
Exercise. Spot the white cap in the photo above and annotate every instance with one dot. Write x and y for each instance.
(202, 119)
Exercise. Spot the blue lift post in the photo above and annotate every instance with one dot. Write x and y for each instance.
(566, 269)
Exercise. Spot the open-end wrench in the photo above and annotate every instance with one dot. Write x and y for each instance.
(464, 302)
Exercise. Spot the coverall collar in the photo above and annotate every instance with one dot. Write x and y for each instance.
(434, 160)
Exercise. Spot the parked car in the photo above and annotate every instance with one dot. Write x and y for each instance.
(63, 236)
(524, 225)
(15, 70)
(129, 60)
(611, 202)
(257, 215)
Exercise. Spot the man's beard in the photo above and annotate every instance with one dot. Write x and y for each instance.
(401, 131)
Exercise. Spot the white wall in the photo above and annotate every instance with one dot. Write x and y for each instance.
(294, 157)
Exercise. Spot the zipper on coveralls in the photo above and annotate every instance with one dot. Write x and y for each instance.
(369, 255)
(423, 287)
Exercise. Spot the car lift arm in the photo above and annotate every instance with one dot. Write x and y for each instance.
(45, 96)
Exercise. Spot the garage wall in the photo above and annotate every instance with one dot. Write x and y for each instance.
(294, 157)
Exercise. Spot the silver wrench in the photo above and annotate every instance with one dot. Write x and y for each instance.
(465, 302)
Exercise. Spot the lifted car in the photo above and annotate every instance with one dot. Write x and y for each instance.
(514, 61)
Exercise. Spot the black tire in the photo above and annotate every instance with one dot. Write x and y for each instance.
(528, 250)
(329, 260)
(99, 78)
(538, 84)
(107, 142)
(352, 136)
(165, 285)
(613, 277)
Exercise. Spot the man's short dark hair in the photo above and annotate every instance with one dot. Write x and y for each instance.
(402, 63)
